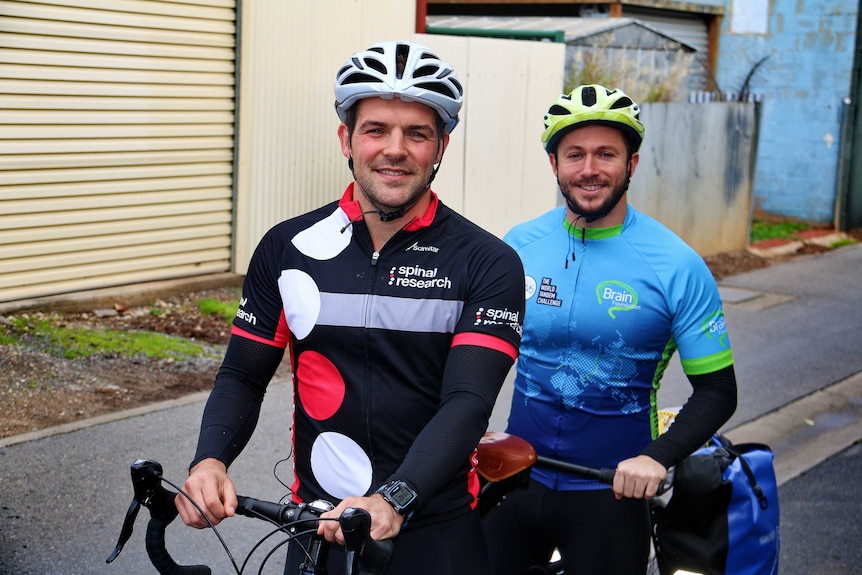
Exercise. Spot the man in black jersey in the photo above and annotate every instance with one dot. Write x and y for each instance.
(402, 319)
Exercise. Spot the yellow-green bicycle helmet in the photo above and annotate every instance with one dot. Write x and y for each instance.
(592, 104)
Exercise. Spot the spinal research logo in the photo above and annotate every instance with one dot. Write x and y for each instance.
(418, 277)
(244, 315)
(620, 296)
(491, 316)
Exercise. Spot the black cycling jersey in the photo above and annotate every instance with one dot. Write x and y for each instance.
(384, 348)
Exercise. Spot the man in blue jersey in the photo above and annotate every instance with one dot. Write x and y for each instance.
(611, 295)
(402, 319)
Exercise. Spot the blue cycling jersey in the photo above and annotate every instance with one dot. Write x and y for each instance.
(606, 310)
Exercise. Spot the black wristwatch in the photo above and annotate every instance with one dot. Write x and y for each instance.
(400, 496)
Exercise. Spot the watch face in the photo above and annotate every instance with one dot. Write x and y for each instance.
(402, 495)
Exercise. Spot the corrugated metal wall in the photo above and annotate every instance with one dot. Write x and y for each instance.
(691, 28)
(116, 142)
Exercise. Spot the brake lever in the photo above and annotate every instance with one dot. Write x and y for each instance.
(126, 531)
(365, 556)
(146, 478)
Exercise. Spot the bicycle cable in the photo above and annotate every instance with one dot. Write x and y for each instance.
(207, 519)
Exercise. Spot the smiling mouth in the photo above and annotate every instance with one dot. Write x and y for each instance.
(590, 187)
(391, 170)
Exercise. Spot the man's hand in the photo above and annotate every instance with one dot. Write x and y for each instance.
(385, 521)
(211, 488)
(638, 477)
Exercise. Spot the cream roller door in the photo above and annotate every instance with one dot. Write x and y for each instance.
(116, 142)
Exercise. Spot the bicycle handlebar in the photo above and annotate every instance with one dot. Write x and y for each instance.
(502, 456)
(365, 555)
(603, 474)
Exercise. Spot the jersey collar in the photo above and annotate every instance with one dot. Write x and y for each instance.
(353, 210)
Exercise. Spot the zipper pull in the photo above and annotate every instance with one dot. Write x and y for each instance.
(374, 257)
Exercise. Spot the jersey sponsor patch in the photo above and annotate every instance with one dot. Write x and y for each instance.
(548, 294)
(618, 296)
(715, 326)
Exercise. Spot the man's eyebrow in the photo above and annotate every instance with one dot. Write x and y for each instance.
(426, 127)
(382, 124)
(599, 148)
(375, 123)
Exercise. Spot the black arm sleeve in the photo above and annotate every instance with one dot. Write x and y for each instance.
(471, 381)
(233, 407)
(712, 402)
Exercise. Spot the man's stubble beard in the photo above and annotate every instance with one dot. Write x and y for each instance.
(607, 205)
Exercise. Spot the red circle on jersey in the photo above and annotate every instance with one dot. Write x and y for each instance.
(320, 385)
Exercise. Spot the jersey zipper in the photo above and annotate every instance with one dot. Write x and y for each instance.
(372, 281)
(375, 258)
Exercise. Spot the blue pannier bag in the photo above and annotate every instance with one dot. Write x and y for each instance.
(722, 516)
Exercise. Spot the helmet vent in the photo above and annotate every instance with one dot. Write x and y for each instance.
(375, 65)
(425, 71)
(454, 81)
(588, 96)
(360, 78)
(438, 88)
(402, 52)
(622, 103)
(556, 110)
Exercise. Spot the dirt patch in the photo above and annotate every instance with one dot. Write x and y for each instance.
(39, 389)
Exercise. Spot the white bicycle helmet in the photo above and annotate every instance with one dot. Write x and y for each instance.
(425, 78)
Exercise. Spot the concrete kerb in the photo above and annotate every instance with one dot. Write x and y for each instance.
(809, 430)
(105, 418)
(783, 247)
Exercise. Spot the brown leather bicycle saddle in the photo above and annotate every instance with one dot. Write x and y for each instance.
(502, 455)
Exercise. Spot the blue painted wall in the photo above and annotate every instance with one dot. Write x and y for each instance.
(810, 46)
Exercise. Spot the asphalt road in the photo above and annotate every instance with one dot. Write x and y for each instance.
(795, 334)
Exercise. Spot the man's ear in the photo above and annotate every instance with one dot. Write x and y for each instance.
(442, 149)
(344, 138)
(633, 163)
(552, 157)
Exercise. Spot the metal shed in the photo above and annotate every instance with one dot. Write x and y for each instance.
(633, 49)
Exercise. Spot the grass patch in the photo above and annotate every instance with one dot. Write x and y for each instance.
(7, 338)
(210, 306)
(761, 230)
(845, 242)
(81, 343)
